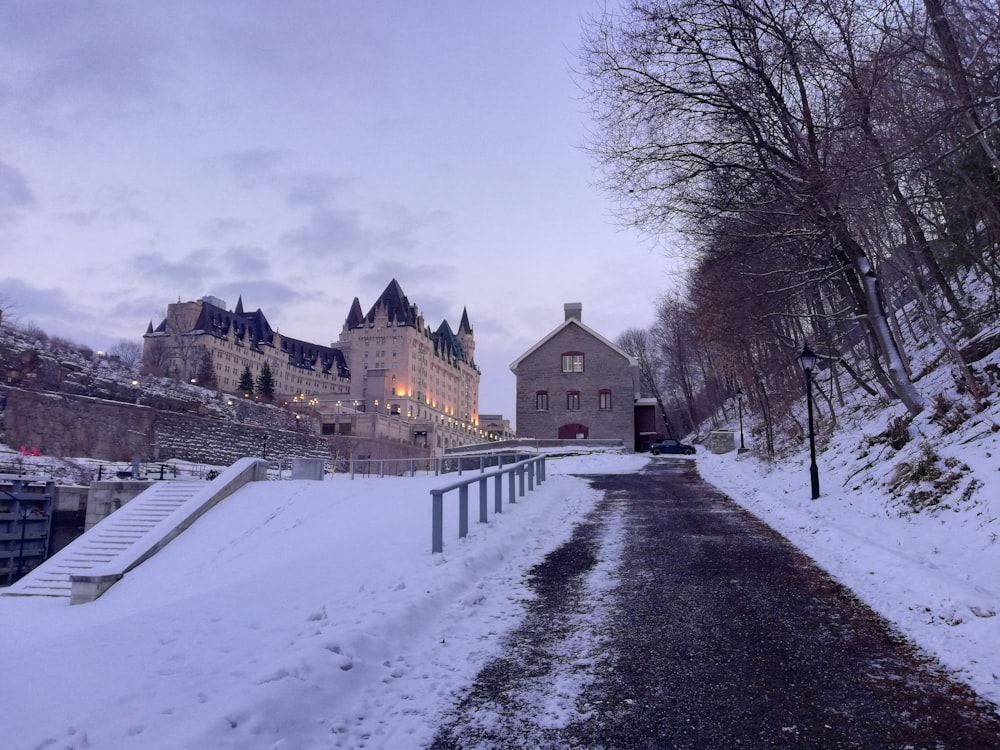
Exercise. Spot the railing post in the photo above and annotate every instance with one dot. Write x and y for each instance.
(482, 500)
(512, 473)
(352, 467)
(520, 481)
(498, 493)
(463, 511)
(541, 469)
(437, 521)
(482, 464)
(413, 467)
(531, 476)
(381, 468)
(437, 466)
(460, 466)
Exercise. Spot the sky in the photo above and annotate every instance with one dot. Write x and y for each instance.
(366, 639)
(302, 153)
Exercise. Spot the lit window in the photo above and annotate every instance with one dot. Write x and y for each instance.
(542, 401)
(604, 400)
(572, 362)
(573, 400)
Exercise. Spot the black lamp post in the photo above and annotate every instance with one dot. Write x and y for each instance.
(739, 401)
(808, 360)
(263, 451)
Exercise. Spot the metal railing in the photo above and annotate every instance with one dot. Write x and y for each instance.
(526, 469)
(400, 467)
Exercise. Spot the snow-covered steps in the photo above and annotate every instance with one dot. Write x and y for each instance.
(106, 540)
(86, 568)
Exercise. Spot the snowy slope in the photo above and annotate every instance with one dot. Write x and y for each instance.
(305, 614)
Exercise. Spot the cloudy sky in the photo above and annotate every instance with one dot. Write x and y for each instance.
(301, 153)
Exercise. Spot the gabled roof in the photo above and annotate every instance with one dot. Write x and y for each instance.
(307, 355)
(397, 305)
(445, 341)
(565, 324)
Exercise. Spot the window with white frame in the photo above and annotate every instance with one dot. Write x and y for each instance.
(604, 399)
(572, 362)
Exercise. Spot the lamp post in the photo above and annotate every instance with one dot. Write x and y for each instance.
(807, 359)
(263, 451)
(739, 401)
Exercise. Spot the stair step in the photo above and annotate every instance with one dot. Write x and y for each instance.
(105, 541)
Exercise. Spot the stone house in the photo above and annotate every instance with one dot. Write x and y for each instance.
(574, 383)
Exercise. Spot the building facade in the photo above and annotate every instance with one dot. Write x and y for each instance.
(203, 343)
(390, 375)
(574, 383)
(404, 369)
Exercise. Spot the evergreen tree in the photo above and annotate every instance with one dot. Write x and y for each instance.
(246, 381)
(265, 383)
(206, 371)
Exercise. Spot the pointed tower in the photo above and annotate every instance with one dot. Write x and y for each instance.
(354, 316)
(466, 337)
(397, 307)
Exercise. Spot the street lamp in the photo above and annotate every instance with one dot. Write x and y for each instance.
(739, 399)
(808, 360)
(263, 452)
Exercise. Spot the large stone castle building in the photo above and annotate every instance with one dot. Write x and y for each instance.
(389, 375)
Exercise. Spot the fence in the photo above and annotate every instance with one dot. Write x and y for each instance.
(520, 469)
(400, 467)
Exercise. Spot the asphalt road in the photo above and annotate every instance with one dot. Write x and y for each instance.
(674, 619)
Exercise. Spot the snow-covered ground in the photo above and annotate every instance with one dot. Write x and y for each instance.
(308, 614)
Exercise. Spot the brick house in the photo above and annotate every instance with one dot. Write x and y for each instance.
(574, 383)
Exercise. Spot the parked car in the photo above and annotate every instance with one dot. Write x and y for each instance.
(671, 446)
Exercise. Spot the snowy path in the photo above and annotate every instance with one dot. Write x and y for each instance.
(673, 618)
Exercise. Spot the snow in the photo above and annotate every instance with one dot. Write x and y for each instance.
(304, 614)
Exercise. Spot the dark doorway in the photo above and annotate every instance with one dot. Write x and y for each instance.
(573, 431)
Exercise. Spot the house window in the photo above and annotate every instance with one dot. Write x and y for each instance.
(573, 400)
(572, 362)
(604, 399)
(542, 401)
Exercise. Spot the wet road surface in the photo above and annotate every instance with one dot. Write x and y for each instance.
(674, 619)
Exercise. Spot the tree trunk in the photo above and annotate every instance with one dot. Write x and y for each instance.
(878, 324)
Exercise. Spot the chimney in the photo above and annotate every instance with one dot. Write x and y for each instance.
(574, 311)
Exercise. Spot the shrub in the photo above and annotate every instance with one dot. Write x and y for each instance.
(898, 432)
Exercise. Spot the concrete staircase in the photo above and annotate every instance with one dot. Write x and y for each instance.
(82, 571)
(106, 541)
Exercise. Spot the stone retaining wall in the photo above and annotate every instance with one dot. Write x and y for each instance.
(61, 424)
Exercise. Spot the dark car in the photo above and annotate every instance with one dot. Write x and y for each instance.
(671, 446)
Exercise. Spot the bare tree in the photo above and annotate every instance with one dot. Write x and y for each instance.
(638, 342)
(128, 352)
(713, 108)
